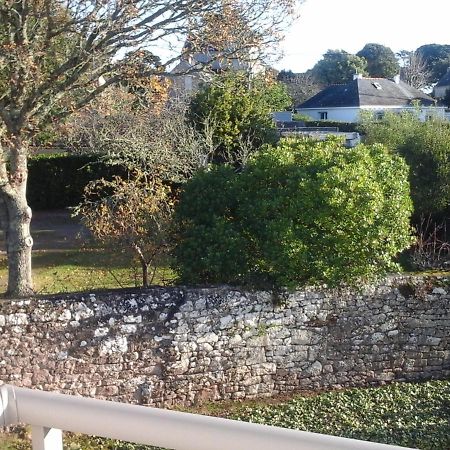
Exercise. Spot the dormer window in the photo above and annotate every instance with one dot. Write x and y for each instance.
(377, 86)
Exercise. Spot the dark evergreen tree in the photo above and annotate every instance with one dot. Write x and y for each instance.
(437, 59)
(338, 66)
(381, 60)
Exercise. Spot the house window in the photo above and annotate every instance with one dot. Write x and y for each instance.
(323, 115)
(377, 86)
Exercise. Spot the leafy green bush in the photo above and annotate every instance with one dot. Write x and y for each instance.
(426, 148)
(57, 181)
(303, 212)
(412, 415)
(234, 113)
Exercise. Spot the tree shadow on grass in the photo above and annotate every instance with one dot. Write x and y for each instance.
(97, 258)
(76, 270)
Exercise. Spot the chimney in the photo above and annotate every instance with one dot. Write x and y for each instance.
(397, 79)
(357, 76)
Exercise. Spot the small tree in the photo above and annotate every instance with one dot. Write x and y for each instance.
(130, 215)
(159, 149)
(300, 86)
(414, 70)
(303, 212)
(234, 112)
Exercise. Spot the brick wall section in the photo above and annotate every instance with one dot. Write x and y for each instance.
(168, 346)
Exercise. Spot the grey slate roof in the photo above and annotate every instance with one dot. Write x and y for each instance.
(445, 80)
(367, 92)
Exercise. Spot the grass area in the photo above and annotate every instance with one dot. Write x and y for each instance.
(408, 414)
(86, 269)
(83, 270)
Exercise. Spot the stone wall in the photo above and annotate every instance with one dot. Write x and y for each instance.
(169, 346)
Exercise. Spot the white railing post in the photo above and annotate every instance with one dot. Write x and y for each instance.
(44, 438)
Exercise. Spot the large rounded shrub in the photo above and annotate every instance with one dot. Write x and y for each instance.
(303, 212)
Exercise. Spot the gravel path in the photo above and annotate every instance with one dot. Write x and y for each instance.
(54, 230)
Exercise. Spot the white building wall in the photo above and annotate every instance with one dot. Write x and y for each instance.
(352, 114)
(333, 114)
(425, 113)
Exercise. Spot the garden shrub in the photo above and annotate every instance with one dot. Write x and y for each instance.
(57, 181)
(426, 149)
(302, 212)
(234, 113)
(344, 127)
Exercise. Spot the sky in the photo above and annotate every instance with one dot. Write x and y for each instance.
(350, 24)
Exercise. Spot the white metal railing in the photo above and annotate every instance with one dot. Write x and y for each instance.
(49, 413)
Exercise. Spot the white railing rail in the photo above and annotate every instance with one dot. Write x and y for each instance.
(48, 413)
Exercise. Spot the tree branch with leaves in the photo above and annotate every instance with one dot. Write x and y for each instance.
(159, 150)
(52, 55)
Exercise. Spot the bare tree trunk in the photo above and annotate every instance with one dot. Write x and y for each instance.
(15, 217)
(144, 266)
(18, 246)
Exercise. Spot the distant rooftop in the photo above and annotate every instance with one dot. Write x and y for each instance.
(368, 92)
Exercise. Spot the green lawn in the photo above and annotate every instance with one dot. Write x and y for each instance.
(83, 270)
(407, 414)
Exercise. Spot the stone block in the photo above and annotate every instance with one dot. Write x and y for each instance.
(314, 370)
(255, 355)
(300, 337)
(439, 291)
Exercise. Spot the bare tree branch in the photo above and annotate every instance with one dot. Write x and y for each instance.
(52, 53)
(414, 69)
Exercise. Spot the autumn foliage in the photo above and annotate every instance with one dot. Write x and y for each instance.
(131, 215)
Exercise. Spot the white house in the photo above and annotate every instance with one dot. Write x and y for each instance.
(345, 102)
(442, 86)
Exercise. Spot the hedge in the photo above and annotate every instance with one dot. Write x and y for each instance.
(57, 181)
(345, 127)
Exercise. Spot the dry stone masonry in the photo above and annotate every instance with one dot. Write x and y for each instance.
(168, 346)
